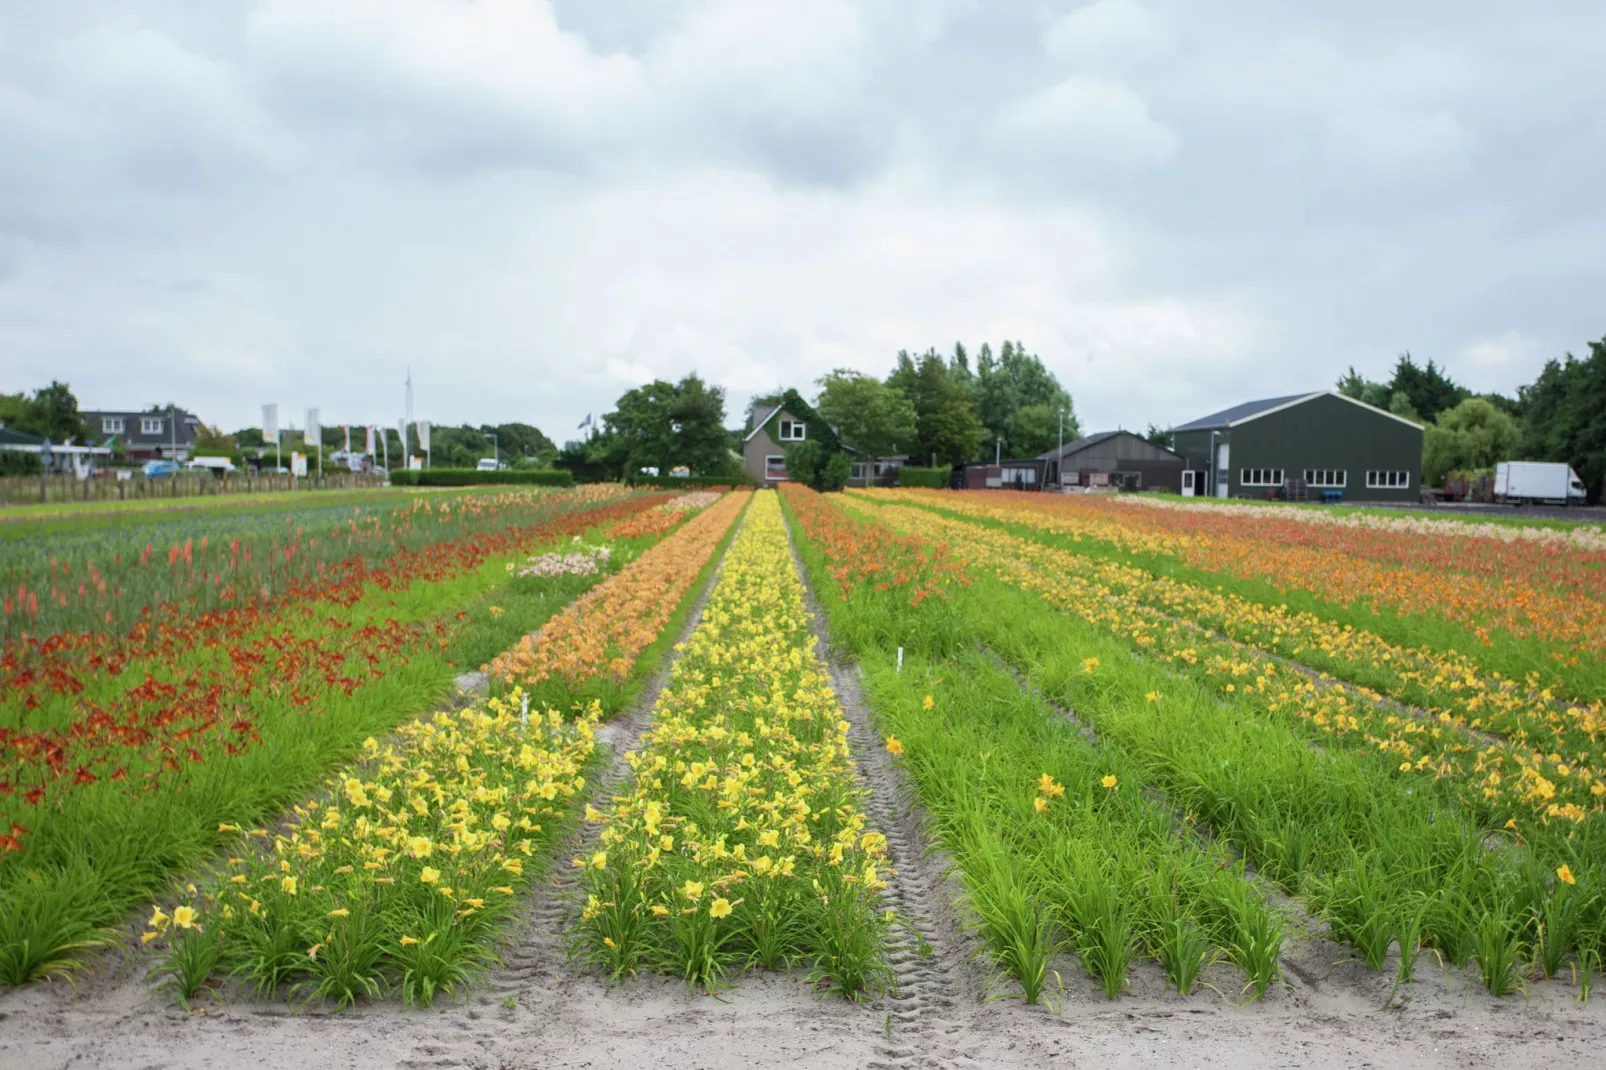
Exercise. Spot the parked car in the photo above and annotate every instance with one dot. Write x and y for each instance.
(490, 464)
(160, 469)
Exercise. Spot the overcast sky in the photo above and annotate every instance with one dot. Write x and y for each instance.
(1178, 204)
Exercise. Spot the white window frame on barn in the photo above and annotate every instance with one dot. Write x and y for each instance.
(1260, 477)
(1378, 479)
(772, 463)
(792, 431)
(858, 470)
(150, 425)
(111, 425)
(1326, 477)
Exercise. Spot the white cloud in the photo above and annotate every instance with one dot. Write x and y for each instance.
(1090, 122)
(537, 203)
(1107, 35)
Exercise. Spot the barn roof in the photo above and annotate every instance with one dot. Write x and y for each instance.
(1250, 410)
(1088, 441)
(1220, 421)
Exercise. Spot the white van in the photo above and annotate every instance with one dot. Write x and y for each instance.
(490, 464)
(218, 466)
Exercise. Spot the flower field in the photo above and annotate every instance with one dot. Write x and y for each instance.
(599, 638)
(1378, 814)
(742, 839)
(124, 751)
(1106, 751)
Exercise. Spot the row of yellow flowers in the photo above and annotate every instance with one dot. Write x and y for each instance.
(603, 632)
(1517, 782)
(742, 838)
(396, 878)
(1451, 684)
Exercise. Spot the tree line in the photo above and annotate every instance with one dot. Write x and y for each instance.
(1560, 416)
(930, 408)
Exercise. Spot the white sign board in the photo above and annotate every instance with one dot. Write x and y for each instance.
(415, 463)
(298, 464)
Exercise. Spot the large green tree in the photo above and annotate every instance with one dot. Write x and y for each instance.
(947, 429)
(1564, 416)
(1428, 389)
(52, 412)
(663, 425)
(876, 419)
(1020, 401)
(1473, 435)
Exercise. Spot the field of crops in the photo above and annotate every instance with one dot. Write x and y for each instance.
(941, 766)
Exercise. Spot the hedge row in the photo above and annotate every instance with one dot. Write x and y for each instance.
(692, 481)
(468, 477)
(924, 477)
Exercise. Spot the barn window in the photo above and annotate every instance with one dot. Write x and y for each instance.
(1260, 477)
(1325, 477)
(774, 467)
(1387, 479)
(793, 431)
(858, 470)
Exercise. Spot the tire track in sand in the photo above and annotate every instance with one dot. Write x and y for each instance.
(934, 983)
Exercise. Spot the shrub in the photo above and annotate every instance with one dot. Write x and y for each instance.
(803, 462)
(835, 472)
(17, 463)
(924, 477)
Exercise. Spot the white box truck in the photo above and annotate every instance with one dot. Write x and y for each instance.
(1527, 482)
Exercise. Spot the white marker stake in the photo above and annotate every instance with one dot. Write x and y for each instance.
(900, 659)
(524, 714)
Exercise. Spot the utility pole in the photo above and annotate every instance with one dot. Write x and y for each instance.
(1059, 458)
(172, 418)
(496, 447)
(998, 449)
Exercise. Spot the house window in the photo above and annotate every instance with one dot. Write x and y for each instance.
(150, 425)
(883, 468)
(1325, 477)
(774, 467)
(793, 431)
(1260, 477)
(858, 470)
(1381, 480)
(111, 425)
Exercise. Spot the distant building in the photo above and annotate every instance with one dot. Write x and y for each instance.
(1324, 444)
(770, 429)
(1118, 459)
(773, 426)
(146, 436)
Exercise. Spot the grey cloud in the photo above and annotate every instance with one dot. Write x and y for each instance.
(1174, 203)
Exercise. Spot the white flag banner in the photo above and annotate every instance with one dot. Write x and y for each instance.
(313, 435)
(270, 423)
(401, 429)
(369, 447)
(347, 429)
(423, 435)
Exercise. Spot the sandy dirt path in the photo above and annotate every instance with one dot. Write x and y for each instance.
(536, 1011)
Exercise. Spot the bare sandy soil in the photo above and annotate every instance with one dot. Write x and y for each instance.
(535, 1011)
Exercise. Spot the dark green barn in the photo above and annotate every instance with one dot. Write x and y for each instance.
(1338, 446)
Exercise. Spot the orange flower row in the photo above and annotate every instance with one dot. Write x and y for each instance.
(1514, 779)
(1526, 591)
(605, 630)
